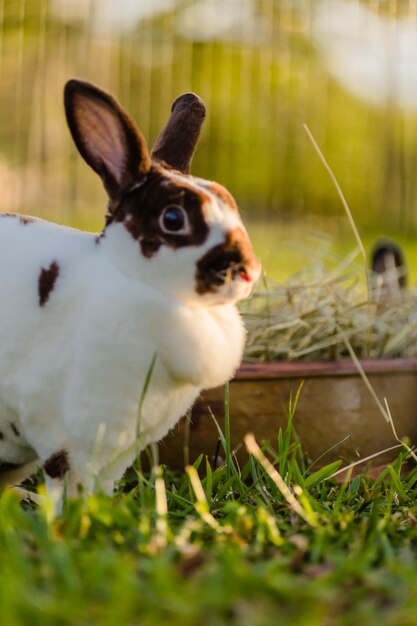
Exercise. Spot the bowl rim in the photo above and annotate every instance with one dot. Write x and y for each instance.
(318, 369)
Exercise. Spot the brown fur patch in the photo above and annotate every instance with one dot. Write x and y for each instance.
(23, 219)
(238, 238)
(224, 262)
(140, 210)
(26, 219)
(15, 429)
(46, 282)
(221, 192)
(57, 465)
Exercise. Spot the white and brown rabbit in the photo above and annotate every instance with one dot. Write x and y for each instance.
(83, 316)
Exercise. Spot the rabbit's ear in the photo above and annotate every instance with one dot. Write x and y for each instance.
(176, 144)
(106, 137)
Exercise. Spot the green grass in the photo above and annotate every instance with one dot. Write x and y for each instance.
(287, 246)
(228, 549)
(160, 550)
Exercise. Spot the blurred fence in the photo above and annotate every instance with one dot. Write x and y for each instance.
(263, 67)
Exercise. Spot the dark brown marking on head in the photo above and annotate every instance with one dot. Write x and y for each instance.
(57, 465)
(150, 246)
(140, 211)
(23, 219)
(224, 262)
(1, 436)
(46, 282)
(15, 429)
(221, 192)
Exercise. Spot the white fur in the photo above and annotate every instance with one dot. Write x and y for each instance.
(72, 371)
(74, 361)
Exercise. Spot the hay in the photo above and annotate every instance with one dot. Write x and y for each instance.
(309, 317)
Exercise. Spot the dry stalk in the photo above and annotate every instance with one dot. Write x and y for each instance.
(400, 441)
(344, 203)
(273, 473)
(364, 460)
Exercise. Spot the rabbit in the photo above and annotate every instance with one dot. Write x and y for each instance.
(94, 326)
(389, 271)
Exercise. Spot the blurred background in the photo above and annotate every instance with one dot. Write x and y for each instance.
(346, 68)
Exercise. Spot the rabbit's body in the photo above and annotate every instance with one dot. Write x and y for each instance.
(64, 373)
(85, 319)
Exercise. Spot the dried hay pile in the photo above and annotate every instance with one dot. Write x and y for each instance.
(314, 314)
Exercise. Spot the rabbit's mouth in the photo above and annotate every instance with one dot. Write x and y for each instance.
(230, 273)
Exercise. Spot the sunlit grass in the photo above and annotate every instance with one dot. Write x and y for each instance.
(235, 546)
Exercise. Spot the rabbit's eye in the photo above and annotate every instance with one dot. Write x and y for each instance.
(174, 220)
